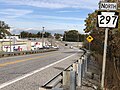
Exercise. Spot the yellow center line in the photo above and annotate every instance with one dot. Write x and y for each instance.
(27, 59)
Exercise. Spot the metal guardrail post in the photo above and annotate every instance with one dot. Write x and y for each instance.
(72, 80)
(42, 88)
(86, 64)
(55, 82)
(79, 83)
(66, 79)
(75, 67)
(69, 81)
(83, 66)
(58, 89)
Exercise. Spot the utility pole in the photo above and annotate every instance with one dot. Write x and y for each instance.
(43, 37)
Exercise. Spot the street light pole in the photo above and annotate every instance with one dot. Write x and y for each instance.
(43, 37)
(65, 35)
(10, 40)
(51, 41)
(2, 42)
(78, 40)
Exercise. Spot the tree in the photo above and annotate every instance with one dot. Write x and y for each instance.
(57, 35)
(113, 47)
(72, 36)
(30, 35)
(91, 22)
(47, 34)
(4, 29)
(39, 35)
(81, 37)
(24, 34)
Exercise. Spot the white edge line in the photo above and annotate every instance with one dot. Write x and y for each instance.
(31, 73)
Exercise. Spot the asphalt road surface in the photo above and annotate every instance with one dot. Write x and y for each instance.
(29, 72)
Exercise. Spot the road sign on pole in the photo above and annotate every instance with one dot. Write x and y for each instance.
(89, 38)
(107, 6)
(107, 19)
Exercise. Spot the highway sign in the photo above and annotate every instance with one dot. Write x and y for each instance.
(107, 6)
(107, 19)
(89, 38)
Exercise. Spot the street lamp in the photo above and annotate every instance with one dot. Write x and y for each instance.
(65, 35)
(2, 41)
(10, 39)
(43, 37)
(78, 40)
(51, 41)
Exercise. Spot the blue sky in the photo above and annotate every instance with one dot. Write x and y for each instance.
(54, 15)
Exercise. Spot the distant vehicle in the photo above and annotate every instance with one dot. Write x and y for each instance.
(46, 47)
(56, 47)
(33, 48)
(36, 46)
(71, 47)
(66, 44)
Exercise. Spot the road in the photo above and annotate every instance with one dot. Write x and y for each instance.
(29, 72)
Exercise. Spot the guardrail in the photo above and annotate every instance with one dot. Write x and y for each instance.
(70, 78)
(55, 81)
(7, 54)
(66, 80)
(62, 81)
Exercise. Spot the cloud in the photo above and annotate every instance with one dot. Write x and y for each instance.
(20, 25)
(56, 4)
(68, 11)
(13, 13)
(56, 17)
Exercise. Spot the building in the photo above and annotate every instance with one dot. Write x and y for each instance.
(13, 43)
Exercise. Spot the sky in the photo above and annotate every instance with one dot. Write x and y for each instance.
(55, 15)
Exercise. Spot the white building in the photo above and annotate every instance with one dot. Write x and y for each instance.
(14, 44)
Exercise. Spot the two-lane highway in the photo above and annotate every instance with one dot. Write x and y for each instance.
(28, 72)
